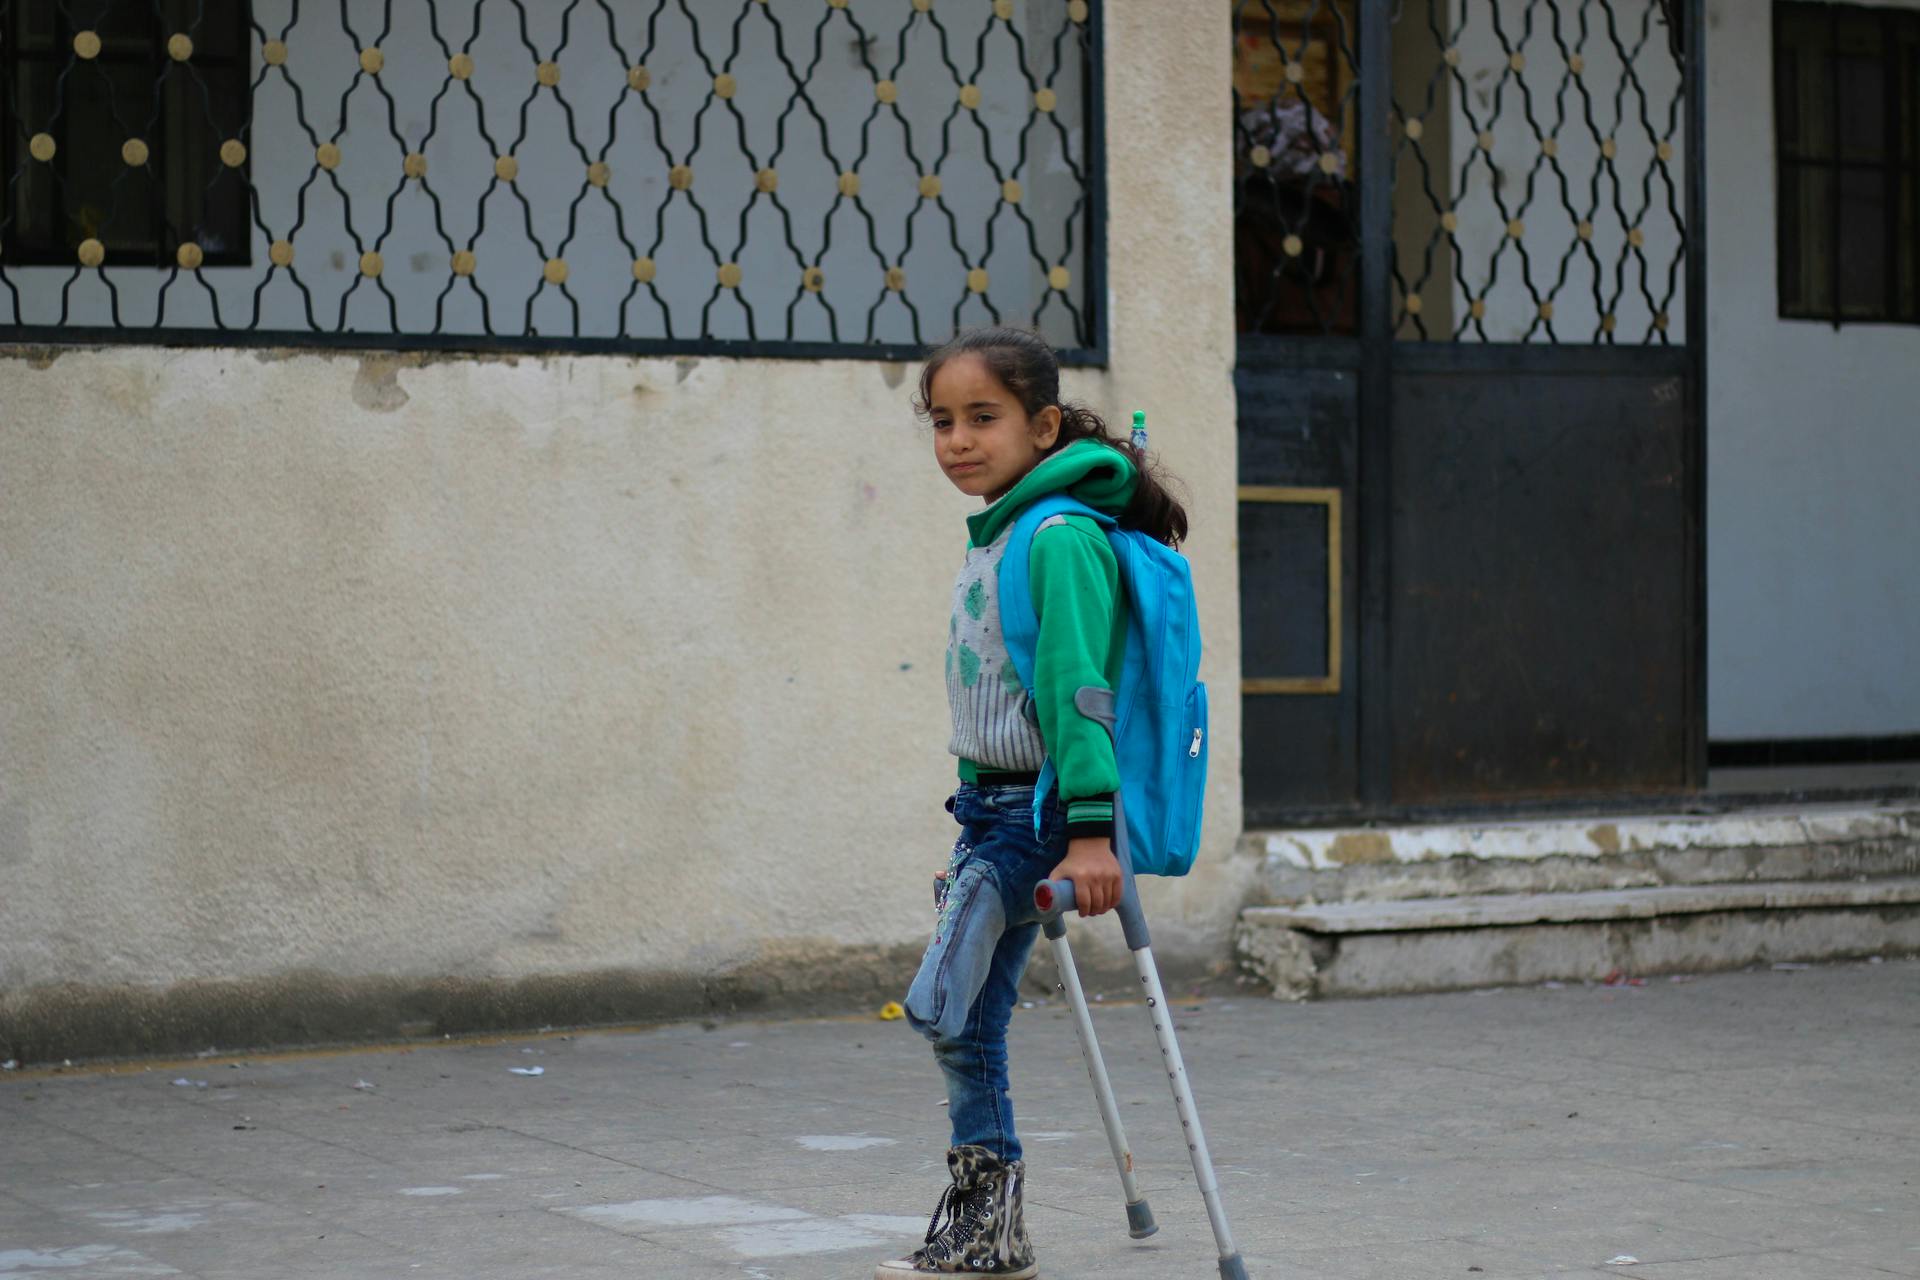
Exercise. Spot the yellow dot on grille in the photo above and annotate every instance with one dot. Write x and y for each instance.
(327, 155)
(599, 173)
(930, 185)
(1546, 311)
(1415, 128)
(896, 279)
(836, 4)
(41, 147)
(274, 53)
(1664, 151)
(680, 177)
(460, 66)
(1010, 191)
(638, 78)
(1059, 278)
(1414, 304)
(970, 96)
(725, 86)
(1478, 309)
(1549, 147)
(1518, 62)
(372, 264)
(92, 252)
(415, 165)
(1516, 228)
(87, 44)
(1660, 321)
(1261, 157)
(1292, 246)
(1609, 149)
(1296, 72)
(1637, 238)
(233, 153)
(555, 272)
(547, 73)
(1608, 322)
(463, 262)
(1451, 57)
(813, 279)
(849, 184)
(922, 6)
(1486, 139)
(189, 256)
(766, 180)
(1077, 11)
(1046, 99)
(1329, 162)
(506, 168)
(643, 270)
(180, 48)
(280, 253)
(372, 61)
(134, 152)
(1584, 230)
(1576, 64)
(729, 275)
(1003, 10)
(886, 91)
(977, 280)
(1449, 221)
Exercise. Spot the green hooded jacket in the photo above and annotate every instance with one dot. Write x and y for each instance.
(1083, 626)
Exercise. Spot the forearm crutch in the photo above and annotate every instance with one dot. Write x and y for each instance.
(1054, 899)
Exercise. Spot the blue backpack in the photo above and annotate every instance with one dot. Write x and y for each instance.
(1160, 707)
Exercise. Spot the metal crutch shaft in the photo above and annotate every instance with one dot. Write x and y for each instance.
(1057, 897)
(1140, 1223)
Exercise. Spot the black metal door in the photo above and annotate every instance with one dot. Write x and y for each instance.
(1470, 294)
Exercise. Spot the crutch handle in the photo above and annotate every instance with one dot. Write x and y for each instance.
(1053, 897)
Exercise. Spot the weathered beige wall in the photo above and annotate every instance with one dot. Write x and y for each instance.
(324, 670)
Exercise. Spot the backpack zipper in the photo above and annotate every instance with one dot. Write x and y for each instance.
(1193, 752)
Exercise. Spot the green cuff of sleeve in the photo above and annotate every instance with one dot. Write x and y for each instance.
(1093, 817)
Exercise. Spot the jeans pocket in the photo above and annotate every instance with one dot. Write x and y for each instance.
(957, 961)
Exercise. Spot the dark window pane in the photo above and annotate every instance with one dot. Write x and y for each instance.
(1906, 242)
(1864, 213)
(180, 113)
(1863, 106)
(1806, 240)
(1803, 92)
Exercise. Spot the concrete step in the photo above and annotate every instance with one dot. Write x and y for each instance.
(1451, 943)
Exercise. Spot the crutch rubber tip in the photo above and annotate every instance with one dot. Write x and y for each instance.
(1231, 1268)
(1140, 1223)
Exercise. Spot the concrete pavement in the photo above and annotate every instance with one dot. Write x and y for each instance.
(1747, 1126)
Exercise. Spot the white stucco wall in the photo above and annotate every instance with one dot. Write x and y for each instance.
(1813, 458)
(373, 666)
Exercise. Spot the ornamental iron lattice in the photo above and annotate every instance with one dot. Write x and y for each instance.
(854, 177)
(1537, 161)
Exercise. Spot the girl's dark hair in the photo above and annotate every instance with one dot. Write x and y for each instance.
(1025, 365)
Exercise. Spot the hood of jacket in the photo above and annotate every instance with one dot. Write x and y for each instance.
(1100, 476)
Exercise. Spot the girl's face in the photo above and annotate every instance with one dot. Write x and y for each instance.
(982, 438)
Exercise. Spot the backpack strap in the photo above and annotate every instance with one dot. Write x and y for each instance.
(1019, 620)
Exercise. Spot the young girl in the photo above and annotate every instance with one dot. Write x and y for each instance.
(1001, 433)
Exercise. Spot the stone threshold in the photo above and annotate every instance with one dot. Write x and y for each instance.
(1331, 848)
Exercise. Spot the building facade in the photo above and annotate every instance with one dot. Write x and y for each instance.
(470, 559)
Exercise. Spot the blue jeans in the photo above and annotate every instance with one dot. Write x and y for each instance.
(969, 979)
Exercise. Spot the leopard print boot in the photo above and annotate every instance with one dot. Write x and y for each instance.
(979, 1227)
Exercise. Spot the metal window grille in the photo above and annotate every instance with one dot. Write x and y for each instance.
(779, 177)
(1847, 128)
(1539, 172)
(1537, 156)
